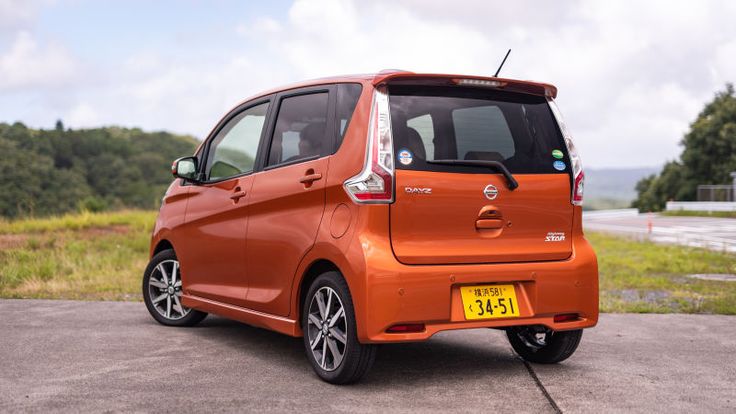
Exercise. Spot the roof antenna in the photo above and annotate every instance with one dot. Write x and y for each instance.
(502, 62)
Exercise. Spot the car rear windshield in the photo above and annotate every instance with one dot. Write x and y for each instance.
(459, 123)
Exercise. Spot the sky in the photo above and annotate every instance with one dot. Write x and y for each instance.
(632, 75)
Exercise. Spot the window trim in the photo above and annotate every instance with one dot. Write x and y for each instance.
(327, 144)
(220, 125)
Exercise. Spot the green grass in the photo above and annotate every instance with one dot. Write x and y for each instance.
(646, 277)
(79, 221)
(101, 256)
(95, 256)
(720, 214)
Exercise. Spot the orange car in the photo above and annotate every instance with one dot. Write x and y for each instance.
(359, 210)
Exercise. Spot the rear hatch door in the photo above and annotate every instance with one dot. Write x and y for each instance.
(453, 203)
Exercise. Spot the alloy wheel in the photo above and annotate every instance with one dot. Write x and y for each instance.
(164, 290)
(327, 328)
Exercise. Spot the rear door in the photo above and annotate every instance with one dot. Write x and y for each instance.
(447, 214)
(288, 197)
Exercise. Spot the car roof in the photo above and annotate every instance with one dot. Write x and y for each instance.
(394, 75)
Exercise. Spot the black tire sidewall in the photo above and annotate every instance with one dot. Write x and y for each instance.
(560, 346)
(192, 318)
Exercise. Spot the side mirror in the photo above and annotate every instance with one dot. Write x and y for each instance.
(186, 168)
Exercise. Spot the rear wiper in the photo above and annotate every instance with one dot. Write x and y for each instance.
(510, 180)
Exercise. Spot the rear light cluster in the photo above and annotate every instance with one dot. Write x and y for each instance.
(577, 164)
(375, 184)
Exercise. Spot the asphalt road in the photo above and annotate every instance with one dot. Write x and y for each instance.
(708, 232)
(111, 356)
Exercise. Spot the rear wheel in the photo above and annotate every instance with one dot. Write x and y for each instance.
(330, 335)
(162, 291)
(542, 345)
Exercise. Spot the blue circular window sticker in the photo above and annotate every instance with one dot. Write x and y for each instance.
(405, 157)
(559, 165)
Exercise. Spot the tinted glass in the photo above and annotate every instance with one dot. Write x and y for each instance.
(347, 98)
(435, 123)
(233, 150)
(300, 128)
(425, 128)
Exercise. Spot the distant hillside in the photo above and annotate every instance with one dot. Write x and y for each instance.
(60, 170)
(613, 187)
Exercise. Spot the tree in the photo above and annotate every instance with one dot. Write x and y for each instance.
(708, 156)
(55, 171)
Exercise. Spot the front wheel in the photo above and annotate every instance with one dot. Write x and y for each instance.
(162, 290)
(542, 345)
(330, 335)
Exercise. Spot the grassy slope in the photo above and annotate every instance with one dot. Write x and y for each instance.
(646, 277)
(88, 256)
(102, 256)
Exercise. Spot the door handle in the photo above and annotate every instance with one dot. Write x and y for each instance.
(488, 224)
(310, 178)
(237, 195)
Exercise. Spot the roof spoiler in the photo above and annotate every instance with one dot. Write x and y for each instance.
(514, 85)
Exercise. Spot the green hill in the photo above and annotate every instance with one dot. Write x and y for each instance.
(61, 170)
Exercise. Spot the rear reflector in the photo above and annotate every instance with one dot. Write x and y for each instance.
(566, 317)
(406, 328)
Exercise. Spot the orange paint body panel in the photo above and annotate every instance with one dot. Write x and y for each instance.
(250, 245)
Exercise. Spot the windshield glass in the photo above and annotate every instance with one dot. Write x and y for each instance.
(457, 123)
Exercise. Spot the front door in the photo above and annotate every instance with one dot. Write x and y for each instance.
(212, 253)
(288, 198)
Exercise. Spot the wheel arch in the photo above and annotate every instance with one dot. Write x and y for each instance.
(163, 244)
(313, 271)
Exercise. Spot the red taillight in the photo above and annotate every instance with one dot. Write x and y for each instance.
(375, 183)
(406, 328)
(577, 190)
(566, 317)
(577, 164)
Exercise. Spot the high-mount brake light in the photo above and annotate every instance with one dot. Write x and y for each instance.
(375, 183)
(577, 164)
(480, 82)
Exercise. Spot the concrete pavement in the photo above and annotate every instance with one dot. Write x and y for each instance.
(111, 356)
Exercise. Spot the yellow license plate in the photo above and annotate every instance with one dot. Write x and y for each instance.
(489, 301)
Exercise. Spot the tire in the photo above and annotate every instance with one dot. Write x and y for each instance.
(162, 298)
(356, 358)
(553, 348)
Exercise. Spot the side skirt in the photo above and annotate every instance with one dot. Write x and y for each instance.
(251, 317)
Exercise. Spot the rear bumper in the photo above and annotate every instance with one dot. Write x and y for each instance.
(397, 294)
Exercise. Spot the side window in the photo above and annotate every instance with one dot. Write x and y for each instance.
(233, 151)
(300, 128)
(347, 98)
(424, 126)
(482, 132)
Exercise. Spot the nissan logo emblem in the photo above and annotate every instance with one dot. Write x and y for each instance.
(491, 192)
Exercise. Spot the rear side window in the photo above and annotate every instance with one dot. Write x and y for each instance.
(347, 98)
(300, 130)
(456, 123)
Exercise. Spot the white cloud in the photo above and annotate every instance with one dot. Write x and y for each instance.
(28, 65)
(15, 14)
